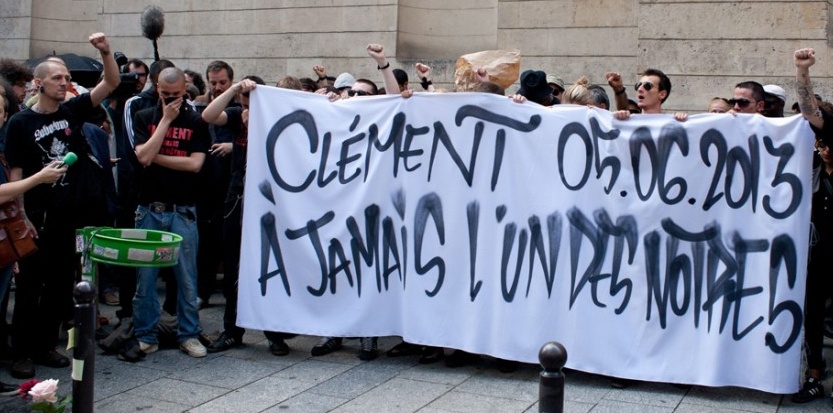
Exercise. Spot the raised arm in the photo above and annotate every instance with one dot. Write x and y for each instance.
(377, 52)
(619, 90)
(111, 70)
(215, 111)
(424, 75)
(803, 59)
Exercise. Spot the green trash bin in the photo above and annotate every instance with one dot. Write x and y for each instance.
(131, 247)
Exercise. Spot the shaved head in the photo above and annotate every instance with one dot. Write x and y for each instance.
(43, 69)
(172, 75)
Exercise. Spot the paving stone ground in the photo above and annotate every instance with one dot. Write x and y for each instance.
(251, 380)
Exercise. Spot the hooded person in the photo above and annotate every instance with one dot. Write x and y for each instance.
(534, 87)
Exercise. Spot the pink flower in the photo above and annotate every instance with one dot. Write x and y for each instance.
(45, 391)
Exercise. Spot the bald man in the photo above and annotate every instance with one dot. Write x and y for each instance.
(171, 143)
(37, 136)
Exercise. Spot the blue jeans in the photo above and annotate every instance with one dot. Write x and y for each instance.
(146, 309)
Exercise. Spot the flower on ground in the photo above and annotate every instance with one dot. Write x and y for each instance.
(44, 396)
(23, 389)
(45, 391)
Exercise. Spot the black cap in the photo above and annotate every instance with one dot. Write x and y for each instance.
(534, 85)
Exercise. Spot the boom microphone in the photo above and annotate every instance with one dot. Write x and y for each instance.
(153, 24)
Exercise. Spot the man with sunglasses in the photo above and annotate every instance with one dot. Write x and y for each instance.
(652, 91)
(748, 98)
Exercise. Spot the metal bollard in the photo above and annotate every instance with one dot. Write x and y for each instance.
(83, 354)
(553, 357)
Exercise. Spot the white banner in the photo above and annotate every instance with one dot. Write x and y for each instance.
(652, 249)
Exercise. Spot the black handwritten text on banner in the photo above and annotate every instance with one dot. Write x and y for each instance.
(652, 249)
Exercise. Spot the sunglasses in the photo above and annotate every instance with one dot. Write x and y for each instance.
(742, 103)
(647, 85)
(353, 92)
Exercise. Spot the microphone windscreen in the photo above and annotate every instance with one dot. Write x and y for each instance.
(153, 22)
(70, 158)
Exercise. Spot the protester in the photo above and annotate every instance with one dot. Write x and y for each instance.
(129, 181)
(236, 119)
(578, 93)
(818, 287)
(652, 91)
(43, 299)
(534, 87)
(17, 75)
(775, 98)
(361, 88)
(171, 143)
(748, 97)
(719, 105)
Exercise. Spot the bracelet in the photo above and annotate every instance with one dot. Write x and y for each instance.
(425, 83)
(387, 65)
(621, 91)
(320, 78)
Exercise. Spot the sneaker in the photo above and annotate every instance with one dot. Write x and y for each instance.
(110, 297)
(130, 351)
(327, 345)
(278, 347)
(193, 348)
(370, 348)
(225, 342)
(148, 348)
(812, 389)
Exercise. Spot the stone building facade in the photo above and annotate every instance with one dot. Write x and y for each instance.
(705, 46)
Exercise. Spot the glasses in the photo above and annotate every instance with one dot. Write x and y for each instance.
(741, 103)
(646, 85)
(353, 92)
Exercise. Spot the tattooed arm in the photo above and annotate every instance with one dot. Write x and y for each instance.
(804, 58)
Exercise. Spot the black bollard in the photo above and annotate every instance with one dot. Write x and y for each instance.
(553, 357)
(83, 378)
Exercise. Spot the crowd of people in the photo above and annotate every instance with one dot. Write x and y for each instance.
(163, 148)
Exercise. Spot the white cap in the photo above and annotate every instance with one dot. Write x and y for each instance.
(777, 91)
(344, 80)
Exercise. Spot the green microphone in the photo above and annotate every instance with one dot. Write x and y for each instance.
(69, 159)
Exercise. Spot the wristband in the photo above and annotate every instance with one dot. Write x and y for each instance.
(387, 65)
(621, 91)
(320, 78)
(425, 83)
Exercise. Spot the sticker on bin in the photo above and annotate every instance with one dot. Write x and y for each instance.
(165, 254)
(167, 237)
(134, 254)
(134, 234)
(101, 251)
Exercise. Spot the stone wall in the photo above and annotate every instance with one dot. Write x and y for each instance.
(705, 46)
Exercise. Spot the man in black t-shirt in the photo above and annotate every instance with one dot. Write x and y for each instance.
(171, 143)
(37, 136)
